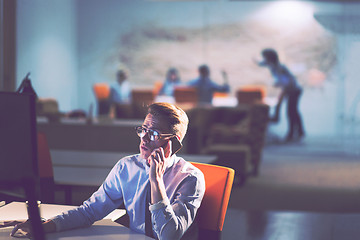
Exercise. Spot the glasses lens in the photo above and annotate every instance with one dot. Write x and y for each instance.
(153, 135)
(140, 131)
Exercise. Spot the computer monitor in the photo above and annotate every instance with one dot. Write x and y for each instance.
(18, 139)
(18, 151)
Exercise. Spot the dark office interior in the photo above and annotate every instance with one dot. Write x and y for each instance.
(306, 188)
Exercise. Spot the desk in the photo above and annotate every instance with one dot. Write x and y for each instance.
(76, 158)
(90, 168)
(103, 229)
(114, 136)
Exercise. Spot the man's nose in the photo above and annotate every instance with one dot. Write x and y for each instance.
(146, 137)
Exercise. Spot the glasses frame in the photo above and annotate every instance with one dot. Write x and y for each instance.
(152, 136)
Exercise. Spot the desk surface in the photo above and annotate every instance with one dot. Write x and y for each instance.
(80, 176)
(103, 229)
(89, 137)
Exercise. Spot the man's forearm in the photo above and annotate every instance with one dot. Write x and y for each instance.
(158, 191)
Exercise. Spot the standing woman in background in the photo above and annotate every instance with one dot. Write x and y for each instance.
(291, 90)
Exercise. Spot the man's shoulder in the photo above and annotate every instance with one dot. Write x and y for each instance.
(129, 159)
(193, 81)
(187, 168)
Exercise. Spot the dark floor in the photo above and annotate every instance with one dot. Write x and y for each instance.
(315, 175)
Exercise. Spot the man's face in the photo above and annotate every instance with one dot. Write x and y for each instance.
(146, 145)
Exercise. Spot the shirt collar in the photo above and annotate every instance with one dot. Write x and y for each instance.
(147, 167)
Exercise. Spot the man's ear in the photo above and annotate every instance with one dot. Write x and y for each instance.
(167, 147)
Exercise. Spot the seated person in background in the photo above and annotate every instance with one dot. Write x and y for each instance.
(160, 191)
(120, 95)
(172, 80)
(121, 91)
(206, 87)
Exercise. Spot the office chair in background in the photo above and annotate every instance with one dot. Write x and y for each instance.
(102, 94)
(141, 98)
(250, 95)
(184, 94)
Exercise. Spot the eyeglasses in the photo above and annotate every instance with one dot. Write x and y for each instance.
(153, 134)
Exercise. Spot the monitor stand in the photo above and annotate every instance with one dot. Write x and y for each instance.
(33, 209)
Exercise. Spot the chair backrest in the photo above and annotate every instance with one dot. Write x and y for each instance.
(250, 95)
(218, 182)
(44, 157)
(101, 91)
(184, 94)
(157, 87)
(142, 97)
(46, 172)
(221, 95)
(102, 95)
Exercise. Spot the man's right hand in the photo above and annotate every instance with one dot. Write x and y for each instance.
(23, 229)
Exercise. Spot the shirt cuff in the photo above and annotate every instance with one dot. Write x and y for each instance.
(57, 224)
(160, 204)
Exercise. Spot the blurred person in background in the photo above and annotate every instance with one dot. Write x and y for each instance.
(120, 92)
(120, 95)
(172, 80)
(290, 90)
(206, 87)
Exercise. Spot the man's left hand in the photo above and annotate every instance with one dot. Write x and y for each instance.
(157, 161)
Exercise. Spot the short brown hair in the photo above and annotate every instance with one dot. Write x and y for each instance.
(176, 117)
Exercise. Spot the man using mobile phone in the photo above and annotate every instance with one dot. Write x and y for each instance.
(160, 191)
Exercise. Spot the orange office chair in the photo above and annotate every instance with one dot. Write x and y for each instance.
(102, 95)
(141, 98)
(221, 95)
(184, 94)
(250, 94)
(157, 87)
(101, 91)
(211, 214)
(186, 97)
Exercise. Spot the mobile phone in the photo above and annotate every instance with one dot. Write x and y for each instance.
(175, 145)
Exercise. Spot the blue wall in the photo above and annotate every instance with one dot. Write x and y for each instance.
(46, 47)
